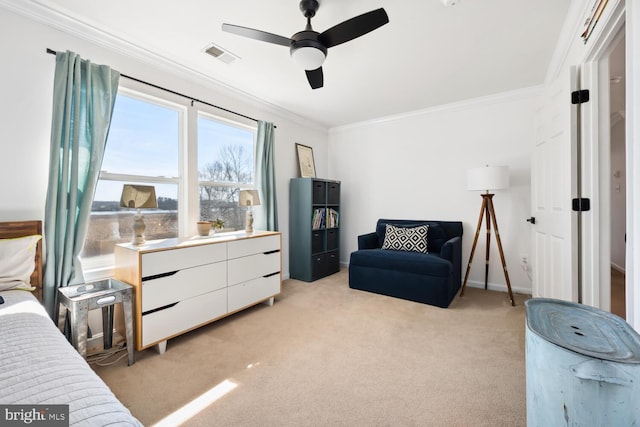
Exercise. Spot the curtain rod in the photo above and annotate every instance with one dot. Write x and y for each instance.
(53, 52)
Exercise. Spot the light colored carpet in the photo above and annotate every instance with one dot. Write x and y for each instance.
(327, 355)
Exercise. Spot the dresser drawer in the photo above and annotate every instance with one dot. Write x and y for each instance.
(248, 293)
(158, 291)
(186, 314)
(241, 248)
(180, 258)
(251, 267)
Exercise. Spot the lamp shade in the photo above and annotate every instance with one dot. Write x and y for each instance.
(488, 178)
(139, 196)
(249, 198)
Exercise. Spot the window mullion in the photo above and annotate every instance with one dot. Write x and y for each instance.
(108, 176)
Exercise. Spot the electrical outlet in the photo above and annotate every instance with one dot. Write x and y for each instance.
(524, 262)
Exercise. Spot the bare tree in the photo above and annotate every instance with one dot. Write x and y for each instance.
(233, 166)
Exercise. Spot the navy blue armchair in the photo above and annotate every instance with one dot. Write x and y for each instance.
(431, 278)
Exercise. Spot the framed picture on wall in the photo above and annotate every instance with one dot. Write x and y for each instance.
(305, 161)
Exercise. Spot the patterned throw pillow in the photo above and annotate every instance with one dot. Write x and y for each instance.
(410, 239)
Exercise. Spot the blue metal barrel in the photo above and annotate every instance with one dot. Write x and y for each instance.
(582, 366)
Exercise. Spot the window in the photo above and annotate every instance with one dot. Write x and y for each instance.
(225, 164)
(143, 147)
(148, 143)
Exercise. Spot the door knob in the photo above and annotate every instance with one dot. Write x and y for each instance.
(532, 220)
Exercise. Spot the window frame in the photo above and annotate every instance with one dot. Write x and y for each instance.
(253, 129)
(188, 179)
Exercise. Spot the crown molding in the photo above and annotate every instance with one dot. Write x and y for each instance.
(528, 92)
(40, 12)
(611, 20)
(571, 27)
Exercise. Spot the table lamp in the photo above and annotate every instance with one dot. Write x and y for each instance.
(249, 198)
(138, 197)
(487, 179)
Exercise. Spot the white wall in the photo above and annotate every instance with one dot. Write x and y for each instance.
(26, 85)
(414, 167)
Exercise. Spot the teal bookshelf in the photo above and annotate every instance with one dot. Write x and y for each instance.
(314, 228)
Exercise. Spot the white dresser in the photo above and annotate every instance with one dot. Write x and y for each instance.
(181, 284)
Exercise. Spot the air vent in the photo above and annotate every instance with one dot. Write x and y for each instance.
(221, 54)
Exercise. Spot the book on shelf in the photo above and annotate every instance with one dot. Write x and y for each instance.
(333, 218)
(325, 218)
(318, 218)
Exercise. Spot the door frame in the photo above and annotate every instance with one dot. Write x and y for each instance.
(632, 263)
(595, 158)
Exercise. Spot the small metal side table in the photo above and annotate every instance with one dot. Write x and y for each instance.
(79, 299)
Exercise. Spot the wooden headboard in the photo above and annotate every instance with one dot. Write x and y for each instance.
(27, 228)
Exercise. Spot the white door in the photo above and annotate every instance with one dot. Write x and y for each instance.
(553, 185)
(595, 280)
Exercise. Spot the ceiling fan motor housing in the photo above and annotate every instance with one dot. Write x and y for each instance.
(309, 8)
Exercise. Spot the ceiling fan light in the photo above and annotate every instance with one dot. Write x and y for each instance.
(309, 58)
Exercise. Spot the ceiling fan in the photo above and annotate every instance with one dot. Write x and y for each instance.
(308, 47)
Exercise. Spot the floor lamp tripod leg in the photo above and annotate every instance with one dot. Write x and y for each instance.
(504, 263)
(488, 243)
(473, 248)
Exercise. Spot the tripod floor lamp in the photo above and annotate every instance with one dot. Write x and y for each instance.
(487, 179)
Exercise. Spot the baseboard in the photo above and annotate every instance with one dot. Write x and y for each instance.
(618, 268)
(498, 287)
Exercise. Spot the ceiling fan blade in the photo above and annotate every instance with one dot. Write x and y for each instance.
(315, 77)
(256, 34)
(353, 28)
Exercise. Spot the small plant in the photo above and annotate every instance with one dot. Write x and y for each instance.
(217, 224)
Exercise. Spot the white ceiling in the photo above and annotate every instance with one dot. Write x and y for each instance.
(427, 55)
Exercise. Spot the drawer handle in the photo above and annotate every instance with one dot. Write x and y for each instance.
(106, 300)
(159, 276)
(159, 308)
(275, 251)
(272, 274)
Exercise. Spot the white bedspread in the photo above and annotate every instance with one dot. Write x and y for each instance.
(38, 366)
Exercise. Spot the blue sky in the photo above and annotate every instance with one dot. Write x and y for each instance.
(143, 141)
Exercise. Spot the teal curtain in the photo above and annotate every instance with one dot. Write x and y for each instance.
(266, 177)
(83, 98)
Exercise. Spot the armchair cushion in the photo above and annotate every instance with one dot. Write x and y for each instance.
(403, 261)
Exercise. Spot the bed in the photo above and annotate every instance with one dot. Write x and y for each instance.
(38, 366)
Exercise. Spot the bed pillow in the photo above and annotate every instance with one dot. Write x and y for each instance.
(410, 239)
(17, 262)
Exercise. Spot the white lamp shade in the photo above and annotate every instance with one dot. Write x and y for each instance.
(488, 178)
(309, 58)
(249, 198)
